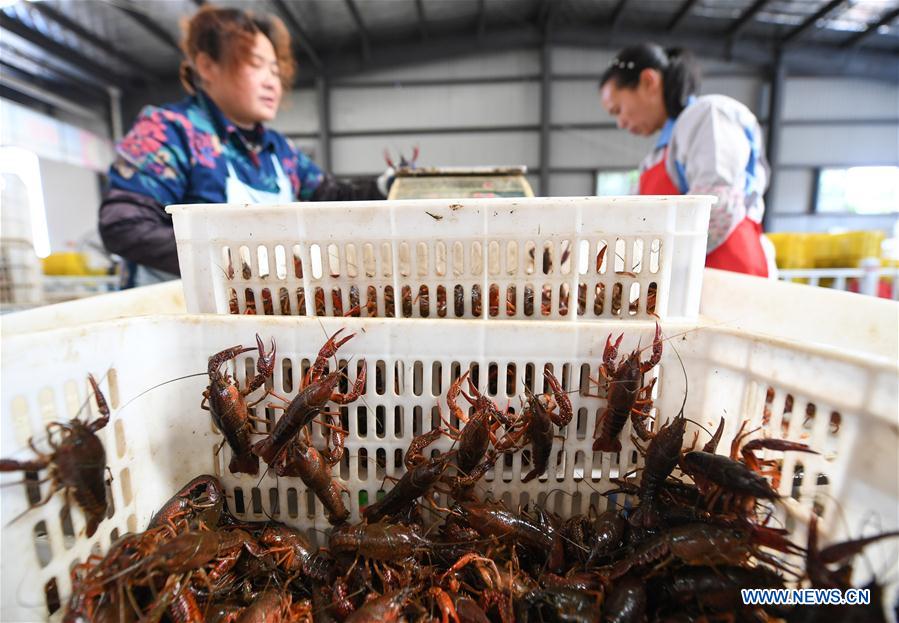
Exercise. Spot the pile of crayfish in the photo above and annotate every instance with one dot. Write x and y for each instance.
(696, 529)
(684, 559)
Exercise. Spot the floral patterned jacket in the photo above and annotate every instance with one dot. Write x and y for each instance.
(179, 153)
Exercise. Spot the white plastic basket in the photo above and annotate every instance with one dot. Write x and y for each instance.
(163, 298)
(448, 258)
(158, 441)
(58, 289)
(20, 274)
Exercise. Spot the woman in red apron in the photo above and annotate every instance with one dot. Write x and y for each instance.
(709, 145)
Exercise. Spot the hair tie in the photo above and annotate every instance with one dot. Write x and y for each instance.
(615, 62)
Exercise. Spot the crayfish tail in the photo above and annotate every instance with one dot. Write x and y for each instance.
(265, 450)
(92, 522)
(318, 567)
(646, 517)
(373, 513)
(245, 464)
(603, 444)
(337, 516)
(556, 561)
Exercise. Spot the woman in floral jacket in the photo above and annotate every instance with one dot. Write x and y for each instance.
(212, 147)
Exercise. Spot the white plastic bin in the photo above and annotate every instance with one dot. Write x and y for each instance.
(448, 258)
(160, 439)
(163, 298)
(20, 274)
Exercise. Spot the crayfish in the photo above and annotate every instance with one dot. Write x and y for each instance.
(534, 425)
(625, 383)
(478, 431)
(403, 163)
(421, 474)
(76, 464)
(738, 484)
(318, 390)
(227, 404)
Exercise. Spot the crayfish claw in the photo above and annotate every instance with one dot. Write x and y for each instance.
(216, 361)
(265, 365)
(656, 351)
(102, 405)
(610, 353)
(473, 389)
(332, 345)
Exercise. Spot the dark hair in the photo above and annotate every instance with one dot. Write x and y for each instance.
(227, 36)
(679, 69)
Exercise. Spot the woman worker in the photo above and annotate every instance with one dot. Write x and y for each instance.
(709, 145)
(212, 147)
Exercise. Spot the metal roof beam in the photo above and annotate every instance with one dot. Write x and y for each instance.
(98, 42)
(438, 47)
(810, 22)
(60, 74)
(617, 13)
(63, 52)
(33, 90)
(74, 91)
(807, 58)
(148, 23)
(685, 9)
(801, 59)
(743, 21)
(299, 32)
(858, 38)
(422, 20)
(363, 31)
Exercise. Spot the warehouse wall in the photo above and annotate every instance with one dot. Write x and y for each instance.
(71, 201)
(496, 97)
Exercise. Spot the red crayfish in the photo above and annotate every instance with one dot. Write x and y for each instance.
(227, 404)
(77, 462)
(625, 382)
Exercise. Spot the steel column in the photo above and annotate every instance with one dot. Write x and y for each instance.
(545, 113)
(324, 121)
(775, 124)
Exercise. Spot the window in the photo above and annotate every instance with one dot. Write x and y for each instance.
(616, 182)
(858, 190)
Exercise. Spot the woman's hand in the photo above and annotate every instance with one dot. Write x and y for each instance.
(385, 181)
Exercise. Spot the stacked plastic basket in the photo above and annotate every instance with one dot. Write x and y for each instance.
(504, 288)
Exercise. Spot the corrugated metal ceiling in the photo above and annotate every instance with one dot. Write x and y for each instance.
(136, 42)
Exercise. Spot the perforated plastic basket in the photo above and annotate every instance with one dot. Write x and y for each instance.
(546, 258)
(158, 441)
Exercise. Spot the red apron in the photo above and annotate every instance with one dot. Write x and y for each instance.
(741, 252)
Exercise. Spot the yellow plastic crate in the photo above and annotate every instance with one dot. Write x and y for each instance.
(792, 250)
(69, 263)
(855, 246)
(815, 250)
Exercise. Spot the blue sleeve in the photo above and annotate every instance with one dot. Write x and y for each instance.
(305, 176)
(153, 159)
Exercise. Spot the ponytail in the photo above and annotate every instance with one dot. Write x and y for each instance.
(679, 69)
(680, 79)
